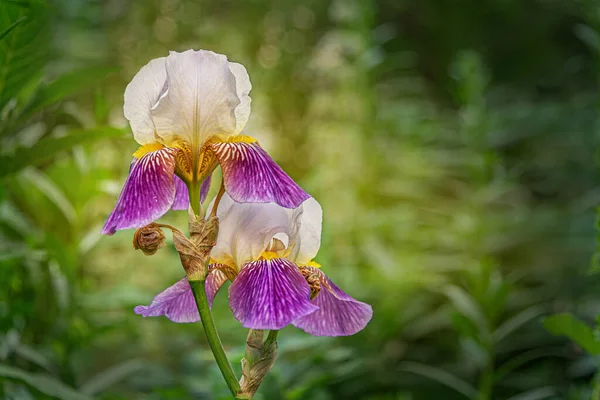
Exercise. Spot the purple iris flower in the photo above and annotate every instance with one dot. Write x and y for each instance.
(267, 252)
(187, 111)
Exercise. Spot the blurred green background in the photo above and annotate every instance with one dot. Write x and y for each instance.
(451, 144)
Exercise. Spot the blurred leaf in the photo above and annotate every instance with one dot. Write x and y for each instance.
(467, 306)
(101, 108)
(34, 356)
(464, 325)
(588, 35)
(67, 85)
(27, 3)
(46, 148)
(41, 181)
(9, 343)
(439, 375)
(535, 394)
(42, 382)
(524, 358)
(23, 51)
(11, 27)
(111, 376)
(517, 321)
(575, 329)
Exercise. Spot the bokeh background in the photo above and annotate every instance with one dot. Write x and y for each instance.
(451, 144)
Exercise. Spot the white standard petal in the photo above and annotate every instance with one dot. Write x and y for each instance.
(243, 88)
(246, 230)
(200, 100)
(140, 95)
(308, 242)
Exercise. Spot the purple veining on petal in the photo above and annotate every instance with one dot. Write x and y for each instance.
(269, 294)
(215, 279)
(251, 176)
(182, 198)
(176, 303)
(338, 314)
(205, 188)
(147, 194)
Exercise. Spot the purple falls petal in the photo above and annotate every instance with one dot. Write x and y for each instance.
(148, 193)
(269, 294)
(205, 188)
(251, 176)
(215, 279)
(338, 314)
(176, 303)
(182, 198)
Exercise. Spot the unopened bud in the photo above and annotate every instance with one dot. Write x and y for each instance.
(149, 239)
(258, 360)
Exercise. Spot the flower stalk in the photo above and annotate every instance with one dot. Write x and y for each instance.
(194, 194)
(212, 336)
(195, 255)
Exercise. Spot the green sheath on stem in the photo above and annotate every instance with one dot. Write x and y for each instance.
(213, 337)
(257, 361)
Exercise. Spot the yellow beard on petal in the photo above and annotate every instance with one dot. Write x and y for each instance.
(231, 139)
(311, 263)
(241, 139)
(269, 255)
(147, 148)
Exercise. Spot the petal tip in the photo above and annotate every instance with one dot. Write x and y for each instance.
(109, 230)
(176, 303)
(140, 310)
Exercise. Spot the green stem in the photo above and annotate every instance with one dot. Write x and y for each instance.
(213, 337)
(486, 381)
(272, 338)
(596, 387)
(194, 193)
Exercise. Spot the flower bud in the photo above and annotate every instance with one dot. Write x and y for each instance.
(149, 239)
(258, 360)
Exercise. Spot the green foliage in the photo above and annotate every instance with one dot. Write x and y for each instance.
(23, 47)
(451, 144)
(68, 84)
(575, 329)
(11, 27)
(47, 148)
(42, 383)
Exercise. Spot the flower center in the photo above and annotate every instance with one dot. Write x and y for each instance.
(192, 167)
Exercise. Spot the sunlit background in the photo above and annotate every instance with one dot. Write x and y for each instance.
(451, 144)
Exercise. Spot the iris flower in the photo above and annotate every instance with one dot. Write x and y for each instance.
(187, 111)
(267, 252)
